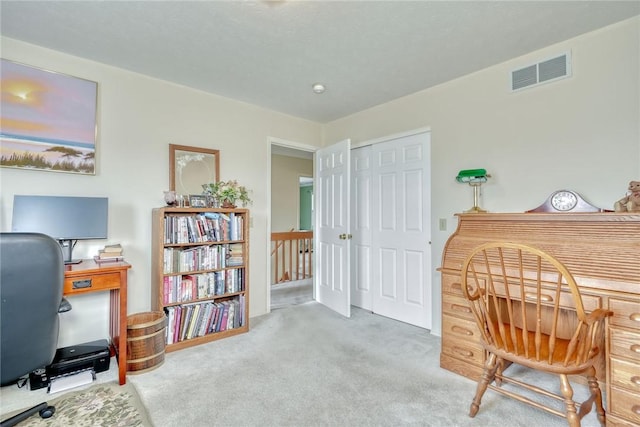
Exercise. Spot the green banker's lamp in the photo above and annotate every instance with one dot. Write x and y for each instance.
(475, 178)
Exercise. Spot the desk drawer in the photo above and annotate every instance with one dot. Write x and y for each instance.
(625, 313)
(613, 421)
(626, 375)
(457, 306)
(460, 328)
(625, 404)
(91, 283)
(625, 343)
(463, 349)
(451, 285)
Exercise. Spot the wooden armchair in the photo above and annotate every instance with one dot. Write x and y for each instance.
(530, 312)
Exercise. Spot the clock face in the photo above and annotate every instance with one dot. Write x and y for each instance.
(564, 200)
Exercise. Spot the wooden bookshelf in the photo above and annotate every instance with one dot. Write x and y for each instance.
(200, 273)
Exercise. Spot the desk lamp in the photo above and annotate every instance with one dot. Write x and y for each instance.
(475, 178)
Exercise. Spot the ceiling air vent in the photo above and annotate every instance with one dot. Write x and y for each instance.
(542, 72)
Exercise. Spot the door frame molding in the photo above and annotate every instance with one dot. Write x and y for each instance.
(273, 141)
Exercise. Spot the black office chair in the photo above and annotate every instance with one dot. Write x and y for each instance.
(31, 282)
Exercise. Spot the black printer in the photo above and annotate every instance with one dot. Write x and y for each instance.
(68, 360)
(94, 354)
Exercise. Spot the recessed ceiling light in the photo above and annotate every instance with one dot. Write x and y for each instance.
(318, 88)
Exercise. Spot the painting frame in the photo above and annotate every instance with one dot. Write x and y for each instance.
(48, 120)
(191, 167)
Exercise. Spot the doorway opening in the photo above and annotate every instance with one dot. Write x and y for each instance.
(291, 224)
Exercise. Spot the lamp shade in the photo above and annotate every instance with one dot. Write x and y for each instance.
(472, 175)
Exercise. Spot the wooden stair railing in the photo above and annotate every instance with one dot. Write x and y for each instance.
(291, 255)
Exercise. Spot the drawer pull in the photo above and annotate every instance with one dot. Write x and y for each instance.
(534, 297)
(81, 284)
(635, 409)
(456, 286)
(458, 307)
(462, 331)
(463, 352)
(635, 317)
(635, 380)
(635, 348)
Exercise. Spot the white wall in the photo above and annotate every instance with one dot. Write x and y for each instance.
(138, 118)
(580, 133)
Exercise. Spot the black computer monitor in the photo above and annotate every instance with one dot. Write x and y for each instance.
(66, 219)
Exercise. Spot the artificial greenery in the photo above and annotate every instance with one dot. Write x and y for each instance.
(228, 192)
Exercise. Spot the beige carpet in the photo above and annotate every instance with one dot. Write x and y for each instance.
(305, 365)
(301, 366)
(101, 405)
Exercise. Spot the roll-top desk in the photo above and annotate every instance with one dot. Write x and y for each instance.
(601, 250)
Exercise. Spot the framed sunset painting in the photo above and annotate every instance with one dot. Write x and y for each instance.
(47, 120)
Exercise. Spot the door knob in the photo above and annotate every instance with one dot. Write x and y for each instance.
(345, 236)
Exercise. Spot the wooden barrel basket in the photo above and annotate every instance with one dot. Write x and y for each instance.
(145, 341)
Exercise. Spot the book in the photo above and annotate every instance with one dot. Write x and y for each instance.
(235, 255)
(106, 255)
(225, 316)
(116, 248)
(108, 259)
(171, 323)
(213, 327)
(193, 320)
(232, 310)
(187, 313)
(178, 322)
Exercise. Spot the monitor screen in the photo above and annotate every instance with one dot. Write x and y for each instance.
(66, 219)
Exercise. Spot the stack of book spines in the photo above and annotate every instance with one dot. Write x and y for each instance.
(202, 228)
(189, 321)
(110, 253)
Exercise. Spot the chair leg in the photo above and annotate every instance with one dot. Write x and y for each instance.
(499, 370)
(488, 376)
(596, 394)
(570, 405)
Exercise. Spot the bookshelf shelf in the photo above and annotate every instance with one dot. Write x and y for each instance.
(200, 273)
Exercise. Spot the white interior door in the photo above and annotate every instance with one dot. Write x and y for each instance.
(331, 234)
(401, 232)
(361, 209)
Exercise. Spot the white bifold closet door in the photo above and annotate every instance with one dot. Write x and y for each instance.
(390, 223)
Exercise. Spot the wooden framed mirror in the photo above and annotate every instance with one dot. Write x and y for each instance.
(190, 167)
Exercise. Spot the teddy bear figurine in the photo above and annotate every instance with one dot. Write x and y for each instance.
(631, 202)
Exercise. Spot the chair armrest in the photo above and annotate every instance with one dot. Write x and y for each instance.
(64, 306)
(598, 315)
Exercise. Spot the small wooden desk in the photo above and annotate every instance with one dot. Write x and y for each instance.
(90, 276)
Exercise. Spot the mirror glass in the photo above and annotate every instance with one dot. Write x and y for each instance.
(190, 167)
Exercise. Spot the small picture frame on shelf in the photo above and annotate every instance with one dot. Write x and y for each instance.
(197, 201)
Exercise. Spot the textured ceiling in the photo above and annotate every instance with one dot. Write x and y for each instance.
(269, 53)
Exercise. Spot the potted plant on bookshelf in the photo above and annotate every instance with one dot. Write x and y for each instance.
(227, 193)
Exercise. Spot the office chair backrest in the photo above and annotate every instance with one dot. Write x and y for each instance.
(31, 283)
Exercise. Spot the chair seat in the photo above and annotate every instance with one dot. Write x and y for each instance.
(526, 355)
